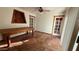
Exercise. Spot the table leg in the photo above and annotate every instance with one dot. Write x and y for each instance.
(7, 39)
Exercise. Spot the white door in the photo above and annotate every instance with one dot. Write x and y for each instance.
(57, 25)
(31, 21)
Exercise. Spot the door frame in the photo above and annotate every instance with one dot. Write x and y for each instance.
(54, 23)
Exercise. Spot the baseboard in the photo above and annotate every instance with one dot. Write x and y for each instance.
(43, 32)
(48, 34)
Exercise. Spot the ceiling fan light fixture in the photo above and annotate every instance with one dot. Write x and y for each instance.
(40, 9)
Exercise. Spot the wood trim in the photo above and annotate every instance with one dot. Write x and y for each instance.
(59, 16)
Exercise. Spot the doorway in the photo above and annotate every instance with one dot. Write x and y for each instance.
(57, 26)
(31, 21)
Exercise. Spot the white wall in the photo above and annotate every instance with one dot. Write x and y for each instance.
(70, 18)
(44, 21)
(6, 18)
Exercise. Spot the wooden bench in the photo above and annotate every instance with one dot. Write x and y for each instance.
(10, 31)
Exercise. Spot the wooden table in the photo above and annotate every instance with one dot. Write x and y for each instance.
(7, 32)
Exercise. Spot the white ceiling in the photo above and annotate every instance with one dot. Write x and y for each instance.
(54, 9)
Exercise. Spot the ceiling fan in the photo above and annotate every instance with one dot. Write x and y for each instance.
(41, 9)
